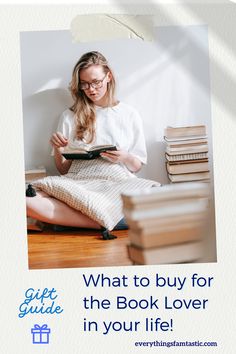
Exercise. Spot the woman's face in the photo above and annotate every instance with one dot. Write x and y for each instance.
(95, 75)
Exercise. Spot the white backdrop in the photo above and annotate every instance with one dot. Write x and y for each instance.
(167, 80)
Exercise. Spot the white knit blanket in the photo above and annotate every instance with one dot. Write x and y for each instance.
(94, 188)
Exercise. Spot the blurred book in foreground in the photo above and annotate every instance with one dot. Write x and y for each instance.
(167, 224)
(182, 253)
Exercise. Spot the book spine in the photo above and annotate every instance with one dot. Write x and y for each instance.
(164, 193)
(174, 254)
(166, 237)
(184, 157)
(186, 144)
(189, 177)
(187, 150)
(167, 210)
(187, 168)
(185, 131)
(185, 139)
(163, 223)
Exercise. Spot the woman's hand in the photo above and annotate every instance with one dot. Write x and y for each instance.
(58, 140)
(120, 156)
(115, 156)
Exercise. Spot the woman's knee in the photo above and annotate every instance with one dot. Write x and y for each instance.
(30, 206)
(33, 205)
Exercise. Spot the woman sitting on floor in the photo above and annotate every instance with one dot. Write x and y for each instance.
(87, 194)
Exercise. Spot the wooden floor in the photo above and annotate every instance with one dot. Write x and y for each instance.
(73, 249)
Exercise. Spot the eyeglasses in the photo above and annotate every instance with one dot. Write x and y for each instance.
(95, 84)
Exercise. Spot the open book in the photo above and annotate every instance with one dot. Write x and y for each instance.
(86, 153)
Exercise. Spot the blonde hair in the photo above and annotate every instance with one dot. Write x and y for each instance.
(83, 107)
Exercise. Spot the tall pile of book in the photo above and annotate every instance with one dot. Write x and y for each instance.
(167, 223)
(187, 153)
(30, 176)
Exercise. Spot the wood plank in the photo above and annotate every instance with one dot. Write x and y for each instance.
(73, 249)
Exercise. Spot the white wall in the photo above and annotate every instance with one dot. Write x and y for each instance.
(166, 80)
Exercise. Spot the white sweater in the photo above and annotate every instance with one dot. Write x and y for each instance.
(120, 125)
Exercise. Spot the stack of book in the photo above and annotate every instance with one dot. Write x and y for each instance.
(167, 224)
(187, 153)
(30, 176)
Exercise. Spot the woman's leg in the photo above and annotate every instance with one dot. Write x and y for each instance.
(51, 210)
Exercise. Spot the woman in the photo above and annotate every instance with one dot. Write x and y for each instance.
(96, 118)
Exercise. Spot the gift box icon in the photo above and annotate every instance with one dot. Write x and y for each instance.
(40, 334)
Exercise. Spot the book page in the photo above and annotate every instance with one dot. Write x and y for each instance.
(98, 147)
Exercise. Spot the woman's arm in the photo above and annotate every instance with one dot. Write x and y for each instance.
(58, 141)
(130, 161)
(61, 163)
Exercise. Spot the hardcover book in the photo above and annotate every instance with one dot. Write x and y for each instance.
(177, 168)
(87, 154)
(189, 177)
(181, 150)
(186, 157)
(144, 239)
(183, 132)
(181, 253)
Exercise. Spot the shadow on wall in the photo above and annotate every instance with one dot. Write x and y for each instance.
(43, 112)
(155, 168)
